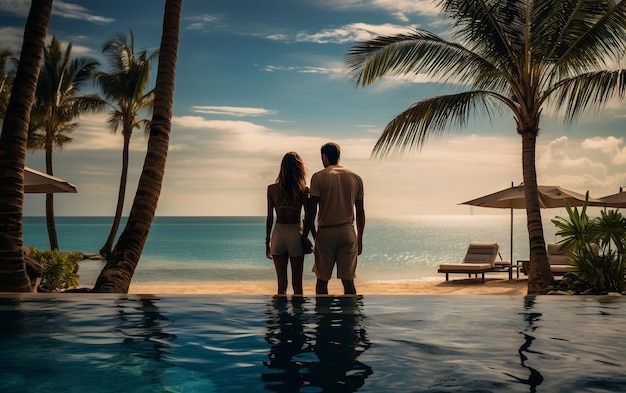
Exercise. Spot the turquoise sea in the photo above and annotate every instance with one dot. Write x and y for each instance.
(232, 248)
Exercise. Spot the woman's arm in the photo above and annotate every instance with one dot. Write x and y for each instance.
(269, 221)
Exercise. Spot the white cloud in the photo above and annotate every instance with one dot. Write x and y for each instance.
(200, 22)
(395, 7)
(233, 111)
(332, 69)
(12, 38)
(354, 32)
(222, 167)
(63, 9)
(73, 11)
(15, 7)
(93, 134)
(582, 165)
(610, 145)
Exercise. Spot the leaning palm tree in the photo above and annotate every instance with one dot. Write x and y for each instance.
(58, 104)
(520, 56)
(124, 87)
(120, 267)
(13, 140)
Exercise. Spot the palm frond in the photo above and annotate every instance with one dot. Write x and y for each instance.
(421, 52)
(593, 32)
(431, 118)
(493, 29)
(590, 91)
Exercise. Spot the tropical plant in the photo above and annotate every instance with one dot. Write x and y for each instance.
(13, 276)
(522, 56)
(119, 269)
(595, 247)
(125, 88)
(576, 230)
(60, 269)
(6, 81)
(59, 102)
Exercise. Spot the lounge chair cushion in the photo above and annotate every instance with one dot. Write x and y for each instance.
(558, 260)
(556, 256)
(464, 267)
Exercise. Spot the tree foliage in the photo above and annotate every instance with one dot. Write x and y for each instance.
(516, 57)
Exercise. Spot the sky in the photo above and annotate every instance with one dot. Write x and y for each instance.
(257, 79)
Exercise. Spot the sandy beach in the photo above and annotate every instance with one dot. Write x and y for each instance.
(458, 286)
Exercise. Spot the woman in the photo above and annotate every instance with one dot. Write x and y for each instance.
(287, 197)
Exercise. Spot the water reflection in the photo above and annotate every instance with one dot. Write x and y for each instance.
(534, 378)
(316, 343)
(145, 340)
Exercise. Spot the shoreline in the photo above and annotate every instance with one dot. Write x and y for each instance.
(459, 286)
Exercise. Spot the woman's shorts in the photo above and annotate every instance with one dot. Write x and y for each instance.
(287, 240)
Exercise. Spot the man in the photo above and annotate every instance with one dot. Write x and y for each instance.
(339, 193)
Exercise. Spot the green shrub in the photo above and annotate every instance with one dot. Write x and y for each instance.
(595, 247)
(60, 269)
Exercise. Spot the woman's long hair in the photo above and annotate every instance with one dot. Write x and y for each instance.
(292, 176)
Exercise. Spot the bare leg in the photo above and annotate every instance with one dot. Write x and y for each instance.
(297, 268)
(321, 287)
(348, 287)
(280, 263)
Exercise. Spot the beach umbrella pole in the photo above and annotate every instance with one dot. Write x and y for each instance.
(511, 243)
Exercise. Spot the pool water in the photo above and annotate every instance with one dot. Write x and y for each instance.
(210, 343)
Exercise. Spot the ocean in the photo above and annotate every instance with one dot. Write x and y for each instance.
(185, 249)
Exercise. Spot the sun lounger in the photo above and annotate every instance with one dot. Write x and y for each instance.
(558, 260)
(479, 259)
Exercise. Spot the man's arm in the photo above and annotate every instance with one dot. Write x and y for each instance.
(360, 222)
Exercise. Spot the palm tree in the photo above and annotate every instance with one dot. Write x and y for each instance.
(58, 104)
(516, 55)
(125, 89)
(13, 140)
(6, 81)
(119, 269)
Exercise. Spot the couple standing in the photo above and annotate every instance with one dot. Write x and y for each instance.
(339, 193)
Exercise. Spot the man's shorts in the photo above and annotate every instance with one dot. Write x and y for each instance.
(286, 240)
(337, 244)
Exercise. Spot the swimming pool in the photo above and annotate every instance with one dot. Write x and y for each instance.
(210, 343)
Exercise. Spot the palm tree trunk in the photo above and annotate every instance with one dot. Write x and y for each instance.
(13, 277)
(52, 230)
(539, 274)
(121, 195)
(119, 270)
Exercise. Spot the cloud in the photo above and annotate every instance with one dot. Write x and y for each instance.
(200, 22)
(233, 111)
(222, 167)
(610, 145)
(304, 69)
(587, 164)
(93, 134)
(12, 38)
(398, 8)
(15, 7)
(349, 33)
(64, 9)
(73, 11)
